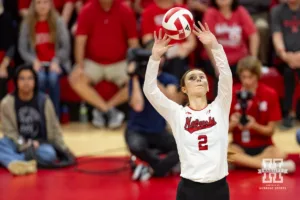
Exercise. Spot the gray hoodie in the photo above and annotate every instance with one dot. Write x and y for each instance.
(62, 46)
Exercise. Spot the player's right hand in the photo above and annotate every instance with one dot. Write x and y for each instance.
(161, 45)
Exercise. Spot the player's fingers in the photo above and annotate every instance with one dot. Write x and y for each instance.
(160, 33)
(207, 27)
(165, 37)
(155, 36)
(196, 33)
(201, 26)
(197, 29)
(168, 41)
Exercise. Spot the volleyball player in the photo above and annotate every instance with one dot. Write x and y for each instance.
(200, 129)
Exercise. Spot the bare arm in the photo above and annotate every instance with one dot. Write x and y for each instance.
(67, 12)
(80, 43)
(279, 45)
(253, 44)
(137, 99)
(133, 43)
(265, 130)
(23, 12)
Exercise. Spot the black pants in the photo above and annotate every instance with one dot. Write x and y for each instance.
(189, 190)
(289, 76)
(145, 146)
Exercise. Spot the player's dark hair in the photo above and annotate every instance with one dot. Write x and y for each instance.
(249, 63)
(235, 4)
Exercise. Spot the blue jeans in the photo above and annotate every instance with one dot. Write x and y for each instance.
(50, 81)
(9, 153)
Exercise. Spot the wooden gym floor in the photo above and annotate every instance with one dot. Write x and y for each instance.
(84, 139)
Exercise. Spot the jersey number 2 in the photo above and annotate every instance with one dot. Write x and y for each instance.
(202, 142)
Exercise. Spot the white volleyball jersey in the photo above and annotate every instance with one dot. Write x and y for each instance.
(201, 136)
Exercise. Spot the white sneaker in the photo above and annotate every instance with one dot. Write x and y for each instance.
(137, 172)
(98, 119)
(115, 119)
(145, 175)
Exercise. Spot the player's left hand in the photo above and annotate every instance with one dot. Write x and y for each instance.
(205, 36)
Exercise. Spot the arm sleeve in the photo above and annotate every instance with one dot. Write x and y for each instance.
(54, 129)
(224, 97)
(164, 106)
(8, 127)
(24, 44)
(63, 51)
(275, 20)
(84, 23)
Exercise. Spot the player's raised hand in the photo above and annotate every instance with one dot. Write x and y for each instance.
(161, 45)
(205, 36)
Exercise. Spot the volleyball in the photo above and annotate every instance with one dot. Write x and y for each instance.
(178, 23)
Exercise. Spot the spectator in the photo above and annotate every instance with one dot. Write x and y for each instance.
(177, 55)
(44, 43)
(64, 7)
(7, 49)
(259, 10)
(146, 128)
(103, 37)
(29, 125)
(234, 29)
(286, 34)
(252, 141)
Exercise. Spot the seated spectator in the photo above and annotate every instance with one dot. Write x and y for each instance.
(103, 37)
(7, 49)
(44, 43)
(252, 138)
(259, 10)
(234, 29)
(146, 129)
(64, 7)
(286, 34)
(152, 17)
(31, 130)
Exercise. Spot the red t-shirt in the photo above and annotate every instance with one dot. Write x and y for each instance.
(264, 107)
(45, 50)
(108, 32)
(152, 18)
(232, 33)
(58, 4)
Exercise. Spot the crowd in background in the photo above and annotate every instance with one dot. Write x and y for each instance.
(88, 41)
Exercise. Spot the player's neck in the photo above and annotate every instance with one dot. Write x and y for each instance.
(197, 103)
(165, 4)
(294, 6)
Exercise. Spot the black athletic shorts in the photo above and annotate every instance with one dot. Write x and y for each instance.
(189, 190)
(254, 151)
